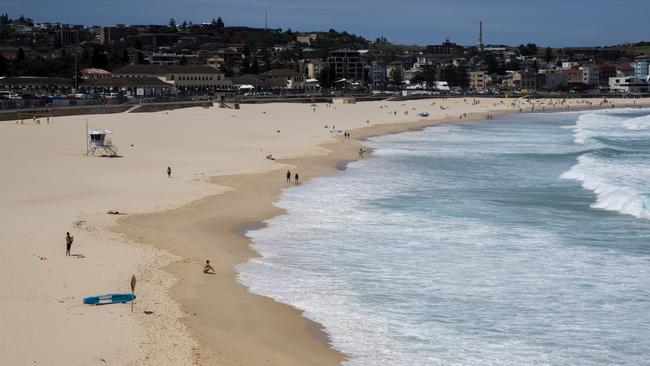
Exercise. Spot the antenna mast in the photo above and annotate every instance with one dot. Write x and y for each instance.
(480, 36)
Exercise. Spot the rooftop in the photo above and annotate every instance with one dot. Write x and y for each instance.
(164, 70)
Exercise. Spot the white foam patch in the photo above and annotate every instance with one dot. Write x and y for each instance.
(621, 183)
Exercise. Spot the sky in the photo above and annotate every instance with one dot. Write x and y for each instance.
(555, 23)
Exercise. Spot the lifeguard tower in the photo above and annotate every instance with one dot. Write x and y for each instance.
(100, 140)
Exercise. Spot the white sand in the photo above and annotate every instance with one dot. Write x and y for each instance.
(49, 187)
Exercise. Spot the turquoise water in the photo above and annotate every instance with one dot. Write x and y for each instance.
(522, 241)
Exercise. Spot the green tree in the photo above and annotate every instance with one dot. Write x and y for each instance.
(396, 77)
(99, 59)
(429, 74)
(4, 66)
(20, 56)
(326, 77)
(220, 25)
(172, 23)
(548, 54)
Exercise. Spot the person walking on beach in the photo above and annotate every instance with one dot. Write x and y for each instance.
(68, 243)
(169, 172)
(288, 176)
(208, 268)
(296, 179)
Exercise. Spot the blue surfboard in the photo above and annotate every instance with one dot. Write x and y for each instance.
(109, 299)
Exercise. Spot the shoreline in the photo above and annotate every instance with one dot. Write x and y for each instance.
(299, 333)
(221, 186)
(340, 153)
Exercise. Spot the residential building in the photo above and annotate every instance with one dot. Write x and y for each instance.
(606, 71)
(552, 79)
(624, 69)
(67, 37)
(447, 48)
(590, 74)
(642, 67)
(394, 66)
(478, 80)
(524, 80)
(629, 84)
(314, 68)
(569, 65)
(377, 74)
(346, 64)
(306, 38)
(118, 32)
(574, 76)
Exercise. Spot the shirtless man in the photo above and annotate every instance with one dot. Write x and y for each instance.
(68, 243)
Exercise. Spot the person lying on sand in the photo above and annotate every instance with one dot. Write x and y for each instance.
(208, 268)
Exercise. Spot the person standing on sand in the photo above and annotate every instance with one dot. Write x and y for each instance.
(296, 179)
(288, 176)
(208, 268)
(169, 172)
(68, 243)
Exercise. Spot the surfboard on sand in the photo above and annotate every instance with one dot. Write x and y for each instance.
(109, 299)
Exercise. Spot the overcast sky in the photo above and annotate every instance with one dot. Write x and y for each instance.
(547, 22)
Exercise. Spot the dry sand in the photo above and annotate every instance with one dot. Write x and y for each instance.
(49, 187)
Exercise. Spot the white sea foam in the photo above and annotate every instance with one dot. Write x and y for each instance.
(621, 183)
(617, 185)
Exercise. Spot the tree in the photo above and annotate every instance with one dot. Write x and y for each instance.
(172, 23)
(21, 55)
(4, 66)
(529, 49)
(548, 54)
(184, 25)
(141, 59)
(255, 67)
(99, 59)
(513, 65)
(396, 77)
(429, 74)
(125, 57)
(220, 25)
(326, 77)
(183, 61)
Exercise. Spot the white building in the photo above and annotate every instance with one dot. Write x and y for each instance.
(629, 84)
(590, 74)
(642, 67)
(569, 65)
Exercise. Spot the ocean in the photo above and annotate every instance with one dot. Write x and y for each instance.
(524, 240)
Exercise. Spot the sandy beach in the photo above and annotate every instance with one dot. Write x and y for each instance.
(221, 185)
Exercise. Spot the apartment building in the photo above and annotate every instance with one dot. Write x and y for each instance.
(346, 64)
(478, 80)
